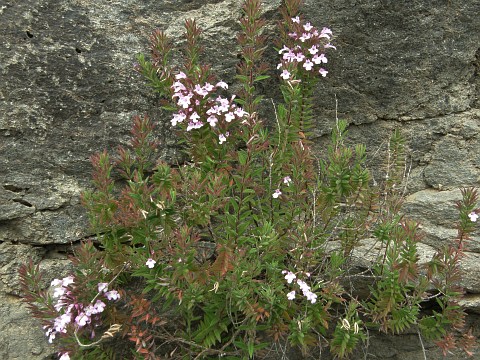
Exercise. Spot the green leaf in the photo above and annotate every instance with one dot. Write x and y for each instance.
(242, 157)
(261, 77)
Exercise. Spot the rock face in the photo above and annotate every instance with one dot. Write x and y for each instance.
(68, 90)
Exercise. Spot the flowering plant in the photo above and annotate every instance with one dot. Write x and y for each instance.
(247, 246)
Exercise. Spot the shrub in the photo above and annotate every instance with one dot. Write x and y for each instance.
(247, 246)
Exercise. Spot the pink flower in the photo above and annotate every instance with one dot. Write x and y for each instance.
(330, 46)
(285, 75)
(194, 125)
(150, 263)
(200, 90)
(308, 26)
(291, 295)
(184, 100)
(99, 307)
(180, 75)
(305, 36)
(178, 87)
(102, 287)
(276, 194)
(112, 295)
(308, 65)
(208, 87)
(61, 322)
(178, 118)
(82, 319)
(287, 180)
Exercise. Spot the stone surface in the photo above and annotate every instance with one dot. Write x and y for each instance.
(68, 90)
(436, 212)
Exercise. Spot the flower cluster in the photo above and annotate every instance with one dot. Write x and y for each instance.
(306, 290)
(198, 104)
(287, 181)
(306, 51)
(73, 312)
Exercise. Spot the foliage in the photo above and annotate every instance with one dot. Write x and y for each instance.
(250, 242)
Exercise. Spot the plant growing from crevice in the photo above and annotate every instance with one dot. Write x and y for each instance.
(247, 246)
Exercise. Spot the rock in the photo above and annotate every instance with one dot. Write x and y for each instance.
(68, 90)
(471, 302)
(21, 337)
(436, 212)
(470, 265)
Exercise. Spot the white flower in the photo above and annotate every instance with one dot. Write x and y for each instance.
(276, 194)
(194, 117)
(318, 59)
(326, 32)
(67, 281)
(291, 295)
(222, 84)
(313, 50)
(285, 75)
(212, 120)
(229, 117)
(287, 180)
(56, 282)
(150, 263)
(307, 26)
(284, 49)
(64, 356)
(473, 216)
(345, 325)
(221, 139)
(240, 112)
(308, 65)
(356, 328)
(323, 72)
(311, 297)
(290, 277)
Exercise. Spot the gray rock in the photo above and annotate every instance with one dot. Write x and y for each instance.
(68, 90)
